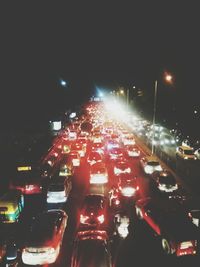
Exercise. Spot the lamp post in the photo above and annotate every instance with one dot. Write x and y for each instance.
(168, 78)
(128, 96)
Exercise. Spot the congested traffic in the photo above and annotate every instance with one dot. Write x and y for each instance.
(95, 192)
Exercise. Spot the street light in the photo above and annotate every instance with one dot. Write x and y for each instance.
(128, 95)
(169, 79)
(63, 83)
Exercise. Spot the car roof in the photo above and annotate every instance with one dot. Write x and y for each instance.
(151, 158)
(42, 224)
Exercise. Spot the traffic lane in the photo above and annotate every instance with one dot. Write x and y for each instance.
(141, 247)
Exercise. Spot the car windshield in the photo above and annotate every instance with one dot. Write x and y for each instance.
(93, 201)
(169, 180)
(56, 187)
(127, 183)
(153, 163)
(189, 152)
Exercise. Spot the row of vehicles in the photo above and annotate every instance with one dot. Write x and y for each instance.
(107, 158)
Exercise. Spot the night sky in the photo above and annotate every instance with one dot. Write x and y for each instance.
(95, 44)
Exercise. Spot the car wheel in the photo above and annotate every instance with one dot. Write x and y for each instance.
(139, 213)
(166, 246)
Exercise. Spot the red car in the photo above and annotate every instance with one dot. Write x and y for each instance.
(94, 157)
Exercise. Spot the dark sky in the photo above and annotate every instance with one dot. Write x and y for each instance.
(96, 43)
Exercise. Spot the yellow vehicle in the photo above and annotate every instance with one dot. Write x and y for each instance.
(11, 206)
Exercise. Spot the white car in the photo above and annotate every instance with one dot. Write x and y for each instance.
(150, 164)
(98, 174)
(59, 189)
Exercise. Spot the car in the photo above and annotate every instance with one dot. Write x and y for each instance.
(79, 147)
(112, 144)
(44, 237)
(72, 135)
(28, 182)
(94, 157)
(171, 223)
(12, 251)
(98, 173)
(128, 141)
(59, 189)
(185, 153)
(132, 151)
(165, 181)
(66, 167)
(75, 158)
(122, 166)
(125, 190)
(197, 153)
(116, 153)
(150, 164)
(93, 212)
(91, 248)
(99, 147)
(191, 203)
(96, 138)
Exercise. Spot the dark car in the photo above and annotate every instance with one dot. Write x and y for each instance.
(44, 237)
(91, 249)
(93, 212)
(165, 181)
(124, 192)
(28, 182)
(172, 223)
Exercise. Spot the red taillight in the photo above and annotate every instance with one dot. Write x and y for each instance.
(187, 248)
(117, 202)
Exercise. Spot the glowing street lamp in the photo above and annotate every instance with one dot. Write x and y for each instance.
(168, 78)
(63, 83)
